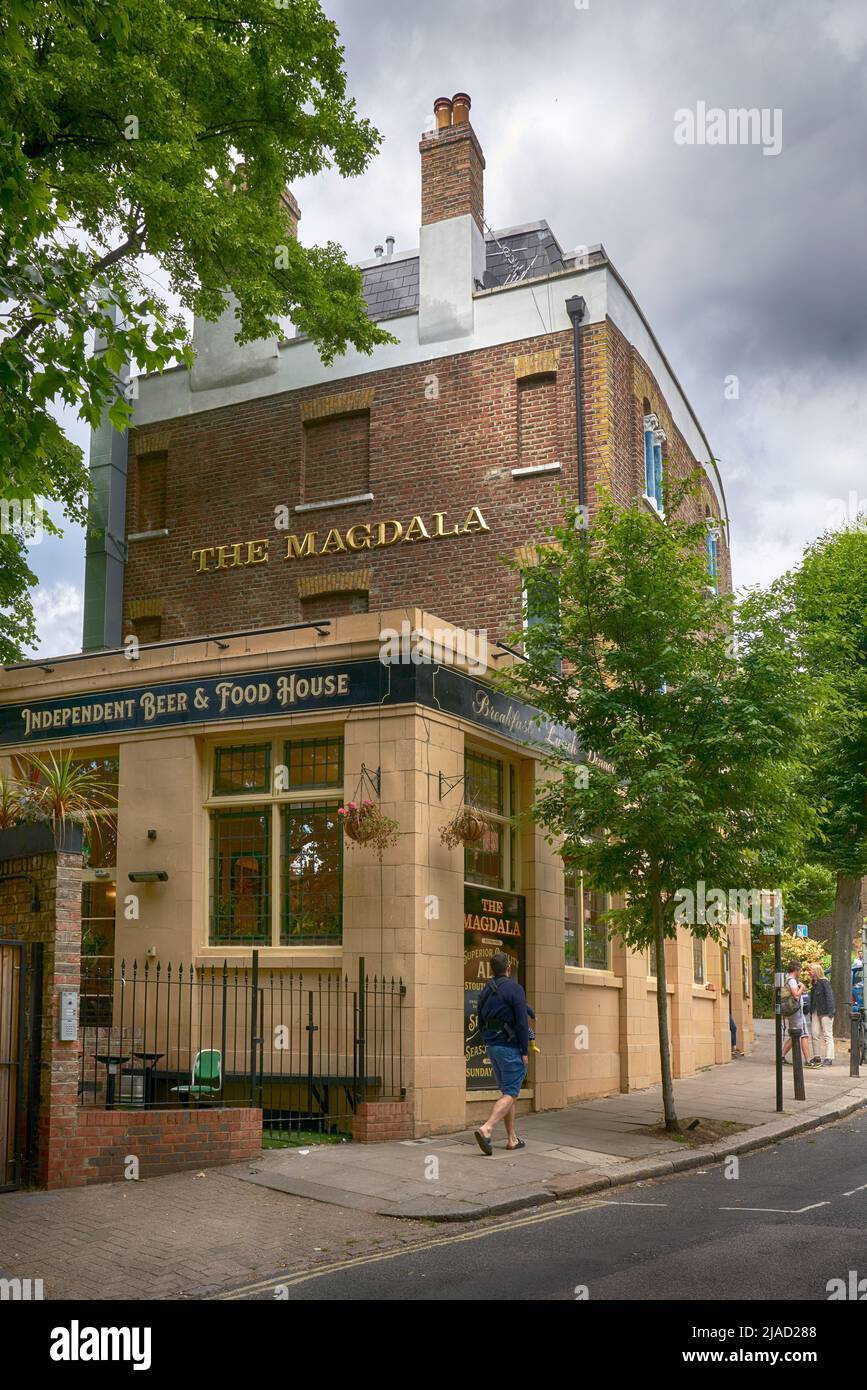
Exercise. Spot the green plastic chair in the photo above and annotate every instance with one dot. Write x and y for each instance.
(207, 1077)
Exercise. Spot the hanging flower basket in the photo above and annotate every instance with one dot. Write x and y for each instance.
(365, 824)
(466, 827)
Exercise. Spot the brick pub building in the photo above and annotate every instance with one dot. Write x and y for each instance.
(264, 522)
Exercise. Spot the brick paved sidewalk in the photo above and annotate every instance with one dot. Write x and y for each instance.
(184, 1236)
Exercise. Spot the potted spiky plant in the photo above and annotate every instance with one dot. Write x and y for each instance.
(68, 796)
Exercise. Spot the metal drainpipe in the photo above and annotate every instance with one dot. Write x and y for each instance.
(576, 308)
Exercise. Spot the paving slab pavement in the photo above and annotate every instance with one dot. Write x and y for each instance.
(593, 1144)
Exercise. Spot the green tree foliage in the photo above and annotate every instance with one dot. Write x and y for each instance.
(692, 706)
(829, 591)
(122, 127)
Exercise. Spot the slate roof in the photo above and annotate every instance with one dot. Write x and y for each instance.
(517, 253)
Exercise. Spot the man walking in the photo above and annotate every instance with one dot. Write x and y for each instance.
(502, 1015)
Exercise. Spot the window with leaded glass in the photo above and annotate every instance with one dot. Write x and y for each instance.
(311, 863)
(276, 847)
(243, 770)
(240, 874)
(586, 932)
(315, 762)
(489, 784)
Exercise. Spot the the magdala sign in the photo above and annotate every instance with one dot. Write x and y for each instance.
(493, 921)
(281, 691)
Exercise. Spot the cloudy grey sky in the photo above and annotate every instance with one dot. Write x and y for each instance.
(747, 265)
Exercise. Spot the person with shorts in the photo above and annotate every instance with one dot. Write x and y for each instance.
(505, 1030)
(797, 1022)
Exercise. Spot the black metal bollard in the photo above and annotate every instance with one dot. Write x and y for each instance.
(855, 1043)
(797, 1064)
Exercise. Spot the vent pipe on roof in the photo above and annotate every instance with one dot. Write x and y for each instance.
(389, 241)
(377, 251)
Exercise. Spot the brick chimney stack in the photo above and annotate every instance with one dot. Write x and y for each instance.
(452, 237)
(290, 207)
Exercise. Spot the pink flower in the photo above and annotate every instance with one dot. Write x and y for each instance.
(367, 803)
(341, 810)
(352, 806)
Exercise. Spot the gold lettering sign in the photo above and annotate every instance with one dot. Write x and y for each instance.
(363, 535)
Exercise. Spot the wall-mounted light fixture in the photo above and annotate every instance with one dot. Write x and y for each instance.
(149, 876)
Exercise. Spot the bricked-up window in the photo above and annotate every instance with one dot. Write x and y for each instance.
(538, 431)
(489, 784)
(336, 457)
(151, 492)
(277, 850)
(148, 629)
(335, 605)
(586, 937)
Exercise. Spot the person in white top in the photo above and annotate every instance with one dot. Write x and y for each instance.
(796, 1022)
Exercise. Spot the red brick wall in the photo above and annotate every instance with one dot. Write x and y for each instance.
(163, 1141)
(376, 1121)
(445, 449)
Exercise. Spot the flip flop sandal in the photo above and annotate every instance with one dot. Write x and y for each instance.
(511, 1148)
(484, 1144)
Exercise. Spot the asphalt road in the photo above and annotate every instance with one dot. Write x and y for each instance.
(794, 1218)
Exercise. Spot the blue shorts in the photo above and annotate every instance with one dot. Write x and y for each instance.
(508, 1068)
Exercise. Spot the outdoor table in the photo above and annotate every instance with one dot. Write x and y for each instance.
(150, 1060)
(111, 1061)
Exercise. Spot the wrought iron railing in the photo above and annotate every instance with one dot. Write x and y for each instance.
(307, 1048)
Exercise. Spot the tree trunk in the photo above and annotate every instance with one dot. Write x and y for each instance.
(846, 925)
(671, 1121)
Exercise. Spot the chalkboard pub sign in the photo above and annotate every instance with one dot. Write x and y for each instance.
(493, 921)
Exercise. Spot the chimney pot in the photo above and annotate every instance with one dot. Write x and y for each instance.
(443, 112)
(377, 250)
(461, 108)
(389, 241)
